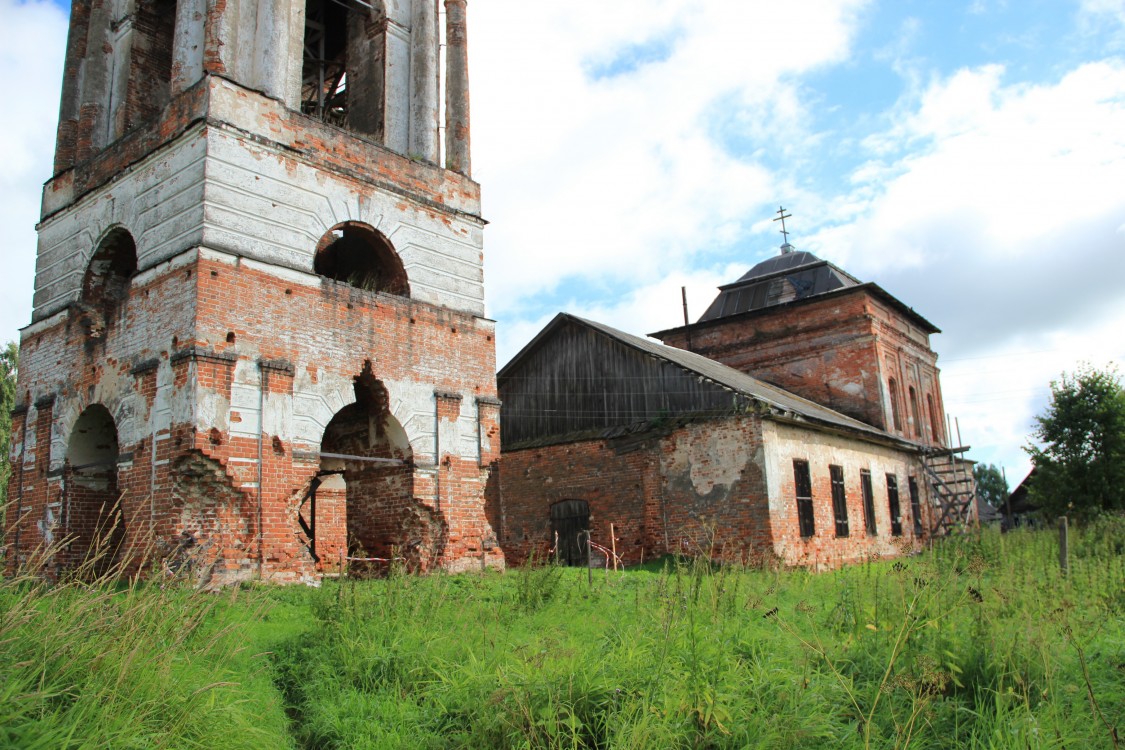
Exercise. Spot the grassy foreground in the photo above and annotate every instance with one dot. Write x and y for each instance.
(980, 643)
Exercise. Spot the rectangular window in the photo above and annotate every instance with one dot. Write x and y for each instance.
(892, 501)
(915, 506)
(803, 485)
(839, 500)
(868, 501)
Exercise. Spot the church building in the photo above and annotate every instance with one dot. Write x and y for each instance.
(258, 347)
(799, 421)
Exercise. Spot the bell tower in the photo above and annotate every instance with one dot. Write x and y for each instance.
(258, 345)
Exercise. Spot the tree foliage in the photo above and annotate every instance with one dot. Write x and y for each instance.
(9, 363)
(1080, 459)
(991, 486)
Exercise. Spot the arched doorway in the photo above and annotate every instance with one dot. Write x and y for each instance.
(362, 500)
(106, 283)
(360, 255)
(93, 522)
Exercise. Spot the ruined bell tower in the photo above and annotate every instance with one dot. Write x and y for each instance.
(258, 344)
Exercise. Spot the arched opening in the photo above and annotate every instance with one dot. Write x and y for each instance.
(106, 283)
(362, 500)
(915, 419)
(570, 523)
(892, 392)
(93, 521)
(361, 256)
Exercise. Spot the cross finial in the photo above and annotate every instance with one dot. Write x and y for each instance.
(782, 216)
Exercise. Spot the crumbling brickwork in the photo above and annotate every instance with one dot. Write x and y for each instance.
(719, 487)
(184, 308)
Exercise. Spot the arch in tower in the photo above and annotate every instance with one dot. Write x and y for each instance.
(360, 255)
(105, 284)
(362, 501)
(93, 523)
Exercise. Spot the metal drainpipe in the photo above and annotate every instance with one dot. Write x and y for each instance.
(152, 467)
(437, 453)
(264, 383)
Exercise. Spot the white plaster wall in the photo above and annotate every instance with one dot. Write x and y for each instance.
(264, 205)
(160, 202)
(785, 442)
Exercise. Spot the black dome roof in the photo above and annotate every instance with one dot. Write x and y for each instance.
(783, 278)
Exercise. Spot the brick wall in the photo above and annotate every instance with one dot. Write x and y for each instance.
(838, 351)
(215, 456)
(719, 487)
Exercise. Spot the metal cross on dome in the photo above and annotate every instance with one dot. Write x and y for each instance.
(782, 216)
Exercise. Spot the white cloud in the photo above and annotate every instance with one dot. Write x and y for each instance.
(32, 41)
(622, 178)
(1001, 218)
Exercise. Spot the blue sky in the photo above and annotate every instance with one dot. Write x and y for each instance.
(966, 155)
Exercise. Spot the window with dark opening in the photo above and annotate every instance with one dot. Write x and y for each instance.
(892, 388)
(892, 503)
(839, 500)
(914, 413)
(570, 523)
(915, 505)
(361, 256)
(935, 432)
(803, 484)
(324, 93)
(868, 501)
(106, 283)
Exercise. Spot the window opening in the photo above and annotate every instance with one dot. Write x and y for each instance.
(935, 433)
(106, 283)
(914, 413)
(803, 484)
(570, 524)
(359, 255)
(892, 503)
(324, 91)
(915, 505)
(868, 501)
(892, 387)
(839, 500)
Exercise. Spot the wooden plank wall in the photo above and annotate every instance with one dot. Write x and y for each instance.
(579, 379)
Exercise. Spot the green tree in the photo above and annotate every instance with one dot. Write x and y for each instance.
(1081, 453)
(991, 487)
(9, 363)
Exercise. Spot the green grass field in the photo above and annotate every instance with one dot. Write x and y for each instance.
(979, 643)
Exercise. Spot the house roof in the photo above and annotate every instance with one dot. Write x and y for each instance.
(794, 277)
(782, 403)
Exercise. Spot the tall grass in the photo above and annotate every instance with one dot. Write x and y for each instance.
(97, 661)
(980, 643)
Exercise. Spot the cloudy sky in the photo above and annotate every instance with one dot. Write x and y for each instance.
(966, 155)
